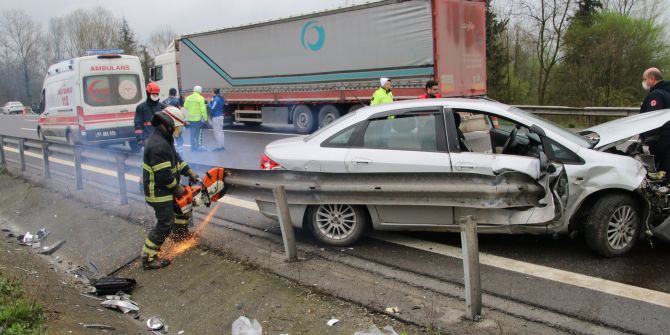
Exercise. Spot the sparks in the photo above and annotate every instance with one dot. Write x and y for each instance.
(171, 249)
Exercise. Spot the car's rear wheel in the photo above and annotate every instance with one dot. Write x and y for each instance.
(613, 225)
(338, 225)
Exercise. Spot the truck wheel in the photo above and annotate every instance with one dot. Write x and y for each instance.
(328, 114)
(355, 107)
(338, 225)
(303, 119)
(613, 225)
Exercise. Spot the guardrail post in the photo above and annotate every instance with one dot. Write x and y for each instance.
(121, 173)
(285, 224)
(45, 160)
(3, 161)
(22, 153)
(473, 285)
(77, 167)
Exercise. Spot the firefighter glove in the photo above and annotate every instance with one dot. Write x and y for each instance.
(192, 175)
(178, 191)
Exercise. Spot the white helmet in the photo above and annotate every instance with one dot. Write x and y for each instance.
(197, 88)
(171, 116)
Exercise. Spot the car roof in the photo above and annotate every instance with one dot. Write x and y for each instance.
(478, 104)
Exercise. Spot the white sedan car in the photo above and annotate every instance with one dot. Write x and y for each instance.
(13, 107)
(592, 185)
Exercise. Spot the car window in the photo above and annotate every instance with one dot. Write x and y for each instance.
(561, 154)
(407, 132)
(341, 139)
(332, 124)
(112, 89)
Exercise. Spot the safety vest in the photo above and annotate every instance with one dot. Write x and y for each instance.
(196, 108)
(381, 96)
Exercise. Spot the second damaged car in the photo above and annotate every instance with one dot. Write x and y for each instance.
(423, 164)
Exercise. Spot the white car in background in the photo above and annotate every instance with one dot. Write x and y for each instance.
(13, 107)
(591, 186)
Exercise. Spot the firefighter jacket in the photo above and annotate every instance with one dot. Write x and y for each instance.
(162, 167)
(382, 96)
(196, 108)
(143, 115)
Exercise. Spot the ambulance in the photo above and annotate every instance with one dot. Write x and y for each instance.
(92, 99)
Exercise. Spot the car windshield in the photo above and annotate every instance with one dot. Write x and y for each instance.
(544, 123)
(320, 131)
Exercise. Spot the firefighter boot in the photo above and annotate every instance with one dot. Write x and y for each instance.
(154, 263)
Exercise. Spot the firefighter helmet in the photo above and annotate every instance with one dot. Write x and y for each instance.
(152, 88)
(170, 116)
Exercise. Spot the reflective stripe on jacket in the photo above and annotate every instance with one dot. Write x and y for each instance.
(196, 108)
(381, 96)
(161, 168)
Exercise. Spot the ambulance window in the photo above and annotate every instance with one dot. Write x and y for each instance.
(112, 89)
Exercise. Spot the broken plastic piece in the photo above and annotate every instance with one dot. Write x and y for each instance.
(125, 306)
(392, 310)
(331, 322)
(112, 285)
(244, 326)
(155, 323)
(98, 326)
(52, 248)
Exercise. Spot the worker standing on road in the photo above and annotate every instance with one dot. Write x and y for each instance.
(145, 112)
(216, 107)
(432, 90)
(658, 98)
(162, 167)
(175, 101)
(383, 95)
(197, 116)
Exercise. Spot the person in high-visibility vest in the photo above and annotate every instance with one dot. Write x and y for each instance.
(162, 167)
(197, 116)
(383, 95)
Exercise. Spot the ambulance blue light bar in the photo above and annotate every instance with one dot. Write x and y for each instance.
(92, 52)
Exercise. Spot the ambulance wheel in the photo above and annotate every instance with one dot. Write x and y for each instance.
(69, 138)
(40, 135)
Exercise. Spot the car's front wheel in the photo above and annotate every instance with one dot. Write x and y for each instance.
(613, 225)
(338, 225)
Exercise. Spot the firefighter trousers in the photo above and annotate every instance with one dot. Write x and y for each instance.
(167, 221)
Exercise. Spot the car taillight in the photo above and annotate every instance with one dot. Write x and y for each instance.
(80, 117)
(268, 164)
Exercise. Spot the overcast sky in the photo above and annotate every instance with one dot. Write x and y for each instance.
(183, 16)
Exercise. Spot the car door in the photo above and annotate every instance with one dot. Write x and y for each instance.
(401, 141)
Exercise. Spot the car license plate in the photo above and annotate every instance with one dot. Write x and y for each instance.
(105, 133)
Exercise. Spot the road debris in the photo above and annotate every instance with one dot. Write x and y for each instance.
(97, 326)
(125, 306)
(392, 310)
(244, 326)
(155, 323)
(52, 248)
(373, 330)
(112, 285)
(332, 322)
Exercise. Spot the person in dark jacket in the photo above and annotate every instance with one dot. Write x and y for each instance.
(162, 167)
(145, 112)
(216, 114)
(657, 98)
(175, 101)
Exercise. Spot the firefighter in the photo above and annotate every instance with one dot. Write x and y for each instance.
(383, 95)
(145, 112)
(162, 167)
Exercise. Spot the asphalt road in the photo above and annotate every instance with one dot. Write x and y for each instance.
(587, 296)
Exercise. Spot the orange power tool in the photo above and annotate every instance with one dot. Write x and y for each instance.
(204, 192)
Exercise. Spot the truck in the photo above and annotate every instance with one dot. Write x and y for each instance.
(308, 70)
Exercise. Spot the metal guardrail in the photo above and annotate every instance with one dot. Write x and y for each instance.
(78, 154)
(577, 111)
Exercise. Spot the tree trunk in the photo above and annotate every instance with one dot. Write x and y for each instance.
(26, 78)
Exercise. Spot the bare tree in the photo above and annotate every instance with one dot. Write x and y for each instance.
(21, 36)
(160, 40)
(86, 29)
(549, 19)
(646, 9)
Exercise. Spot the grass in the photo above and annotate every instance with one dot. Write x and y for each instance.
(18, 315)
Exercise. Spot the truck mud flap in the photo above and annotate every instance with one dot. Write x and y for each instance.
(507, 190)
